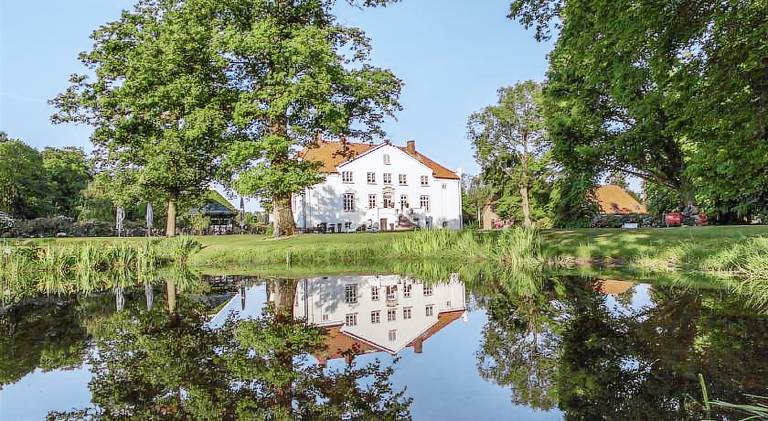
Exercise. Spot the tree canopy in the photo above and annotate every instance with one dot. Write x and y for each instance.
(300, 76)
(653, 90)
(158, 101)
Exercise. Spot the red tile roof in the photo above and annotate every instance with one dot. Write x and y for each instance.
(332, 154)
(613, 199)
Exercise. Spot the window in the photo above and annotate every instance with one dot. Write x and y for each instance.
(427, 291)
(387, 178)
(407, 313)
(430, 310)
(386, 159)
(388, 201)
(346, 176)
(444, 186)
(404, 201)
(351, 319)
(391, 292)
(391, 315)
(371, 178)
(448, 304)
(375, 317)
(325, 317)
(347, 226)
(375, 293)
(402, 179)
(350, 293)
(424, 202)
(424, 180)
(392, 335)
(407, 291)
(349, 202)
(371, 201)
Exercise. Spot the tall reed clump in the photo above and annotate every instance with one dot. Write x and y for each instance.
(87, 267)
(520, 249)
(747, 259)
(517, 247)
(179, 249)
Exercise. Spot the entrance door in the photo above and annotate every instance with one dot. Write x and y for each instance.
(383, 224)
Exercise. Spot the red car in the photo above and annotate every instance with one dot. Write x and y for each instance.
(674, 219)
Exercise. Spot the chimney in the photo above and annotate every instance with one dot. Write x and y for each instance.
(418, 345)
(410, 146)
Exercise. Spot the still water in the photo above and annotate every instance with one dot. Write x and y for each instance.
(382, 346)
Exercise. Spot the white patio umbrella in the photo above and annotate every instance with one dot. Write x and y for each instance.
(150, 219)
(119, 218)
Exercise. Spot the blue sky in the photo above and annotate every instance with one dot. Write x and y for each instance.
(452, 55)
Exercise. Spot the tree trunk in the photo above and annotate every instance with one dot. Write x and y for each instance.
(526, 206)
(170, 288)
(282, 216)
(170, 223)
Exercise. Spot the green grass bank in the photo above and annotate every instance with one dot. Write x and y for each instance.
(736, 249)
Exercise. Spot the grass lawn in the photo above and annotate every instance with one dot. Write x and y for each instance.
(582, 244)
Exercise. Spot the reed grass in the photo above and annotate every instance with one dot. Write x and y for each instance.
(85, 268)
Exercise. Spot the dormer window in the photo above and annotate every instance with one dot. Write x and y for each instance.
(386, 159)
(346, 176)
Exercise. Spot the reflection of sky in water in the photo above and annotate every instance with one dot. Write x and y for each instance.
(37, 393)
(443, 381)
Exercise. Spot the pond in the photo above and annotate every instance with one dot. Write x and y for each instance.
(383, 346)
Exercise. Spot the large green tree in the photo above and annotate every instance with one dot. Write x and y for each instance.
(510, 136)
(653, 90)
(301, 75)
(157, 100)
(23, 180)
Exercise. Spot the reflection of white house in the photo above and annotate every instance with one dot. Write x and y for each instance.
(382, 187)
(378, 312)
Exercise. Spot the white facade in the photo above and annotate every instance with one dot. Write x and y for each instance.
(418, 197)
(388, 312)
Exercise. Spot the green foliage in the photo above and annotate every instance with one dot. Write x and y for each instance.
(158, 103)
(300, 75)
(23, 180)
(69, 174)
(510, 140)
(649, 90)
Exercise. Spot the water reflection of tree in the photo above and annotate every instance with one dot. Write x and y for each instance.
(170, 364)
(556, 342)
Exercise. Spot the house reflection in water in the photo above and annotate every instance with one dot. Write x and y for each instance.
(378, 313)
(362, 314)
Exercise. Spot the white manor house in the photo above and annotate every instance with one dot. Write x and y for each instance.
(377, 187)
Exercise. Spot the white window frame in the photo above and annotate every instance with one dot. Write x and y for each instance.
(424, 202)
(404, 201)
(387, 177)
(427, 291)
(348, 202)
(372, 201)
(407, 290)
(429, 310)
(346, 177)
(402, 179)
(350, 319)
(376, 317)
(391, 292)
(371, 177)
(392, 335)
(424, 180)
(374, 293)
(388, 200)
(387, 159)
(407, 313)
(350, 293)
(391, 314)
